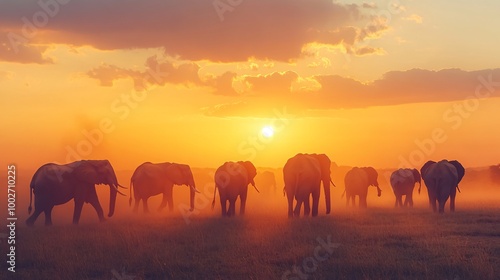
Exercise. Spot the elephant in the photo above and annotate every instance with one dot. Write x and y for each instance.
(403, 181)
(232, 179)
(150, 179)
(55, 184)
(303, 175)
(267, 182)
(441, 179)
(357, 180)
(495, 174)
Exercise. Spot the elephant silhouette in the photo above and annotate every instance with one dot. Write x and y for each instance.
(150, 179)
(303, 175)
(357, 180)
(232, 179)
(441, 179)
(55, 184)
(402, 182)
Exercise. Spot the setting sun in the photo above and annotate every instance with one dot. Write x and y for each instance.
(267, 131)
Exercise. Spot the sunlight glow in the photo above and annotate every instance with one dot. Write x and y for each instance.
(267, 131)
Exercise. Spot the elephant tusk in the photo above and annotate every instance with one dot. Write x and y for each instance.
(122, 186)
(256, 188)
(195, 190)
(332, 183)
(116, 189)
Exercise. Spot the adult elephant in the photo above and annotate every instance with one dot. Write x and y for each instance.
(232, 179)
(403, 181)
(441, 179)
(150, 179)
(303, 175)
(357, 180)
(55, 184)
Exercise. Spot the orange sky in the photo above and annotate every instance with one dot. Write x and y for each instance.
(195, 82)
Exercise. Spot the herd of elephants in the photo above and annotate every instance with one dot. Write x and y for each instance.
(303, 174)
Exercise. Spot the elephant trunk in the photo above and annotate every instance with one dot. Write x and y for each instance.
(326, 186)
(112, 199)
(113, 190)
(192, 192)
(252, 182)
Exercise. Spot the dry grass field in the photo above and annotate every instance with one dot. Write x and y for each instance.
(377, 243)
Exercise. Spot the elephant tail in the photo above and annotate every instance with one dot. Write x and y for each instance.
(130, 199)
(343, 194)
(215, 192)
(32, 188)
(31, 197)
(458, 189)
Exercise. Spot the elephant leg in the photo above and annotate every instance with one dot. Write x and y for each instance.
(78, 210)
(315, 204)
(164, 202)
(170, 199)
(296, 211)
(347, 198)
(407, 201)
(48, 215)
(290, 205)
(136, 205)
(362, 201)
(452, 202)
(167, 199)
(243, 201)
(353, 198)
(432, 202)
(94, 201)
(145, 204)
(409, 197)
(232, 207)
(223, 203)
(31, 220)
(307, 206)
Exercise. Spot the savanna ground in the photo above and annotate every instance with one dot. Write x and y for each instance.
(378, 243)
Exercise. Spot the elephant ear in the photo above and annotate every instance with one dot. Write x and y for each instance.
(460, 169)
(372, 175)
(425, 167)
(86, 171)
(325, 164)
(416, 175)
(251, 170)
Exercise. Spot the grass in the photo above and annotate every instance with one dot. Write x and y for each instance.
(375, 244)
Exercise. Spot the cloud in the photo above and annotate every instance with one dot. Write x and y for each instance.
(162, 73)
(415, 18)
(21, 52)
(368, 51)
(275, 84)
(336, 92)
(192, 30)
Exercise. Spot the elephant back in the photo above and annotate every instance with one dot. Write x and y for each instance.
(355, 177)
(230, 174)
(401, 176)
